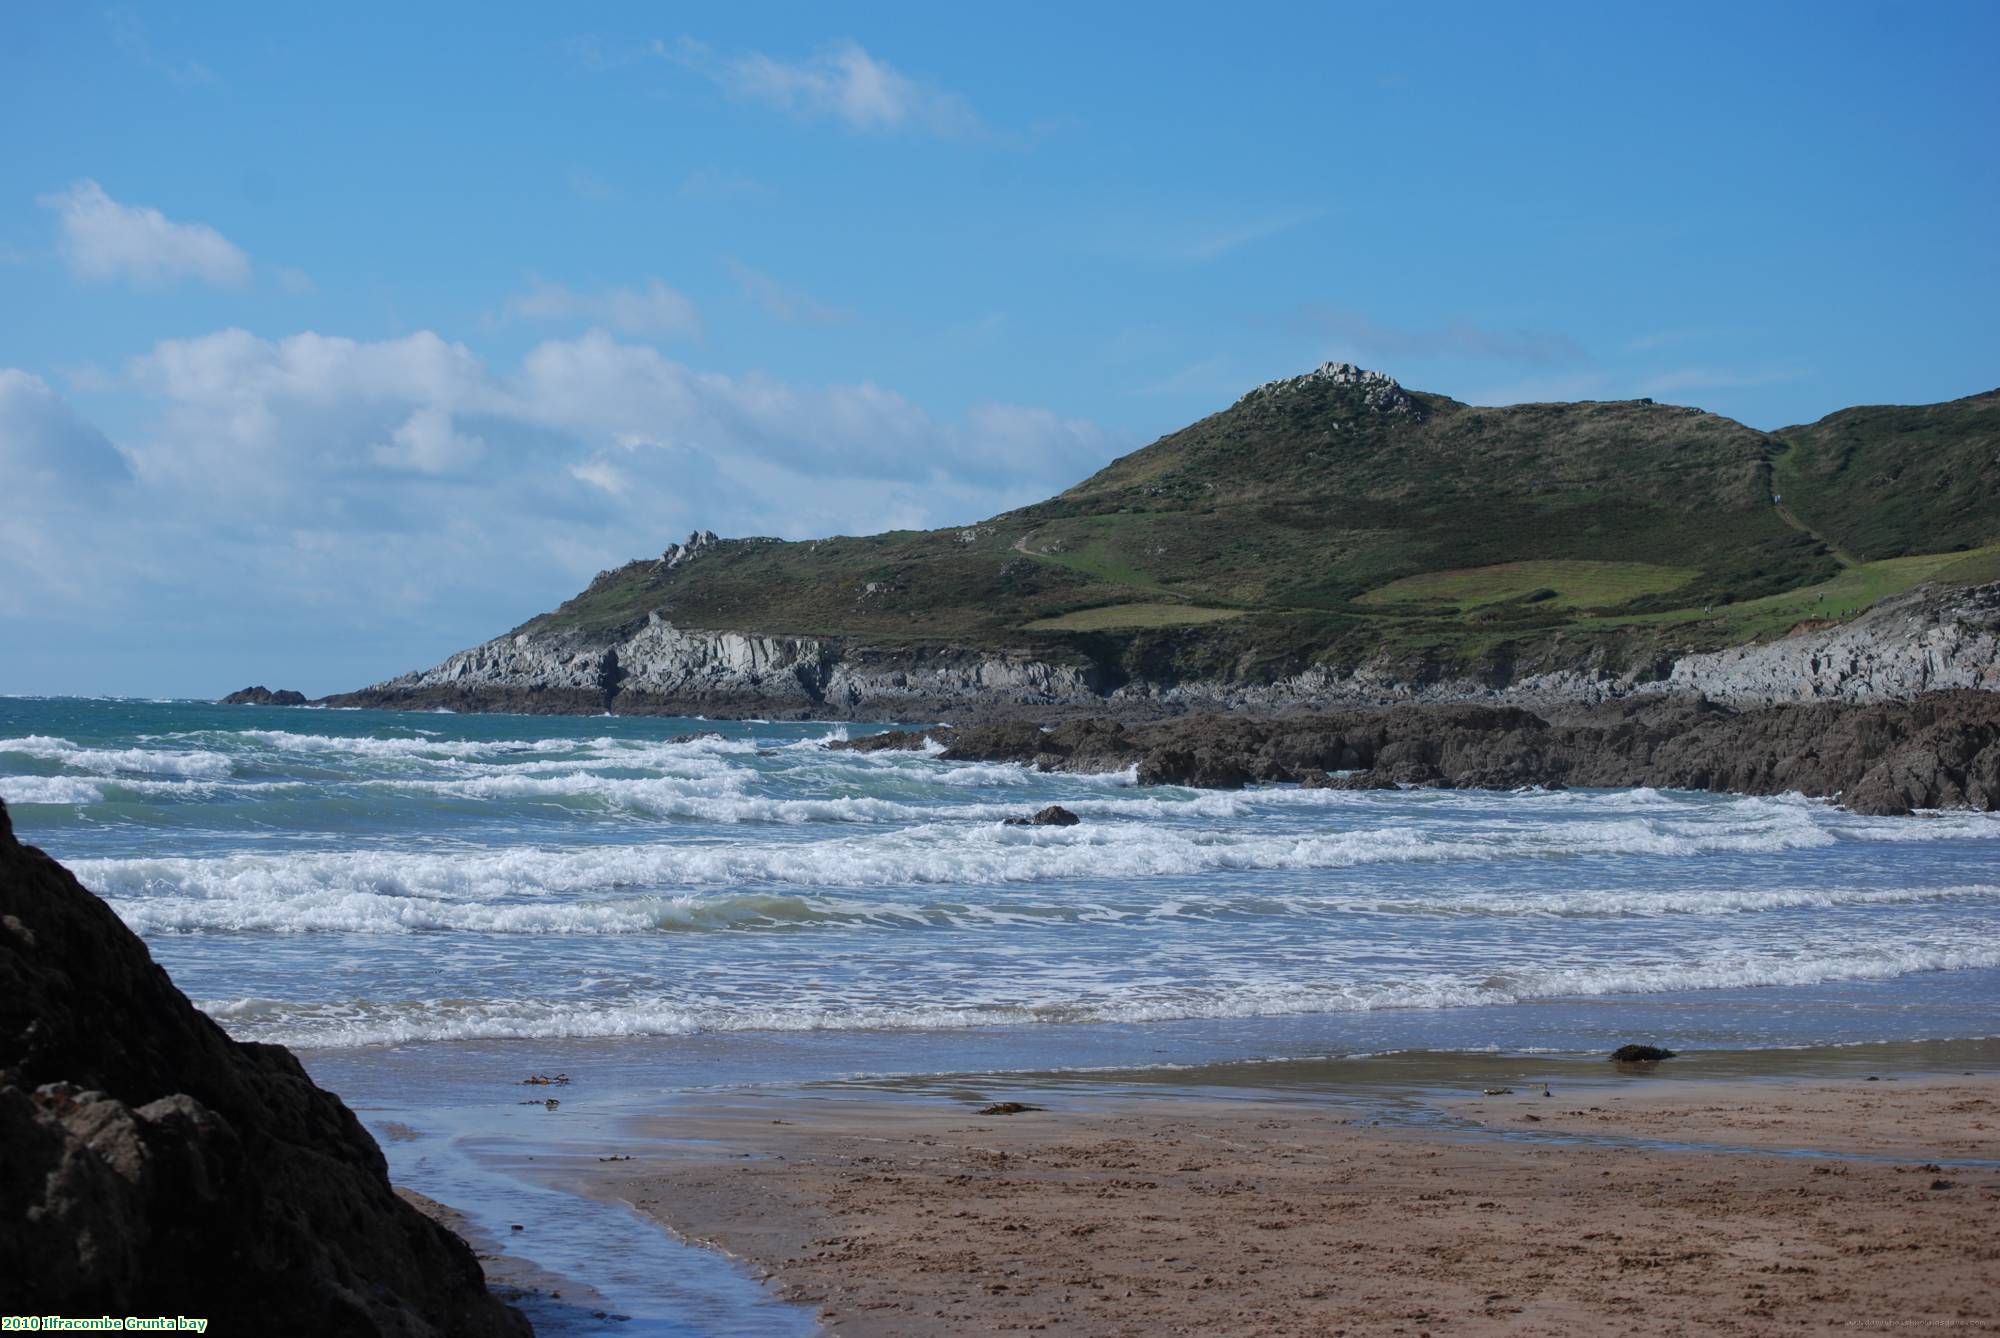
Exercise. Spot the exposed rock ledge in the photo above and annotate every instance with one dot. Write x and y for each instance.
(1904, 647)
(150, 1165)
(1939, 751)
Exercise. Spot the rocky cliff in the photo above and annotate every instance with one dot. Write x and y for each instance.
(150, 1165)
(1916, 643)
(665, 670)
(1903, 647)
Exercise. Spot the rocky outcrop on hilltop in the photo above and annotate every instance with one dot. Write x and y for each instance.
(151, 1165)
(1378, 390)
(698, 542)
(263, 696)
(1940, 751)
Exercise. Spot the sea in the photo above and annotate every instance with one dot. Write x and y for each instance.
(432, 908)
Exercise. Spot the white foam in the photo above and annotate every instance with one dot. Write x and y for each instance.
(331, 911)
(367, 746)
(363, 1022)
(938, 852)
(120, 761)
(49, 790)
(386, 910)
(1677, 901)
(714, 793)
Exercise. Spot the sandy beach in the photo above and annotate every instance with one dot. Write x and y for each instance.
(1670, 1207)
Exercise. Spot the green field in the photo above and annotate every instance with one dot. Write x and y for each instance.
(1850, 593)
(1563, 585)
(1132, 615)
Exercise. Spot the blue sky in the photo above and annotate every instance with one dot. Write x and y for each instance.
(329, 346)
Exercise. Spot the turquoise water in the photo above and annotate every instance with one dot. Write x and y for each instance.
(353, 879)
(431, 907)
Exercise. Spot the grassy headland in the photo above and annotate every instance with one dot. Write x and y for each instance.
(1336, 517)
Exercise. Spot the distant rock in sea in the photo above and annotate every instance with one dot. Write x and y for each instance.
(263, 696)
(151, 1165)
(1055, 815)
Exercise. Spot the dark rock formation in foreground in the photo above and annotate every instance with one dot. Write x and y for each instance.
(263, 696)
(1941, 750)
(150, 1165)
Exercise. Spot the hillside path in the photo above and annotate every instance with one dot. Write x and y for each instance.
(1785, 513)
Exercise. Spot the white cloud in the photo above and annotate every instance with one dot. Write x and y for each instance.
(791, 305)
(427, 443)
(103, 239)
(1037, 442)
(332, 429)
(43, 444)
(839, 82)
(59, 474)
(372, 505)
(654, 310)
(601, 474)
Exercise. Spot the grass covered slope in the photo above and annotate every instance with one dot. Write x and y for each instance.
(1570, 584)
(1885, 481)
(1315, 491)
(1336, 516)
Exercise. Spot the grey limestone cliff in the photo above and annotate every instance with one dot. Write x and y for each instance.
(1921, 642)
(1903, 647)
(662, 669)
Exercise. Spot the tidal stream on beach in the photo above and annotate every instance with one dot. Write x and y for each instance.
(433, 908)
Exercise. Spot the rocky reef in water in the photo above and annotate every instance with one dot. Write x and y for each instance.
(1941, 750)
(151, 1165)
(263, 696)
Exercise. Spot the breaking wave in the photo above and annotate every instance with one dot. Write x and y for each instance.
(368, 1022)
(925, 854)
(121, 761)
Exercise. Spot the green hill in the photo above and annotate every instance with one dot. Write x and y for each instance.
(1334, 516)
(1885, 481)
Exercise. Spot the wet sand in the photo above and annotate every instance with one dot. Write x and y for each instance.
(1295, 1213)
(1919, 1117)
